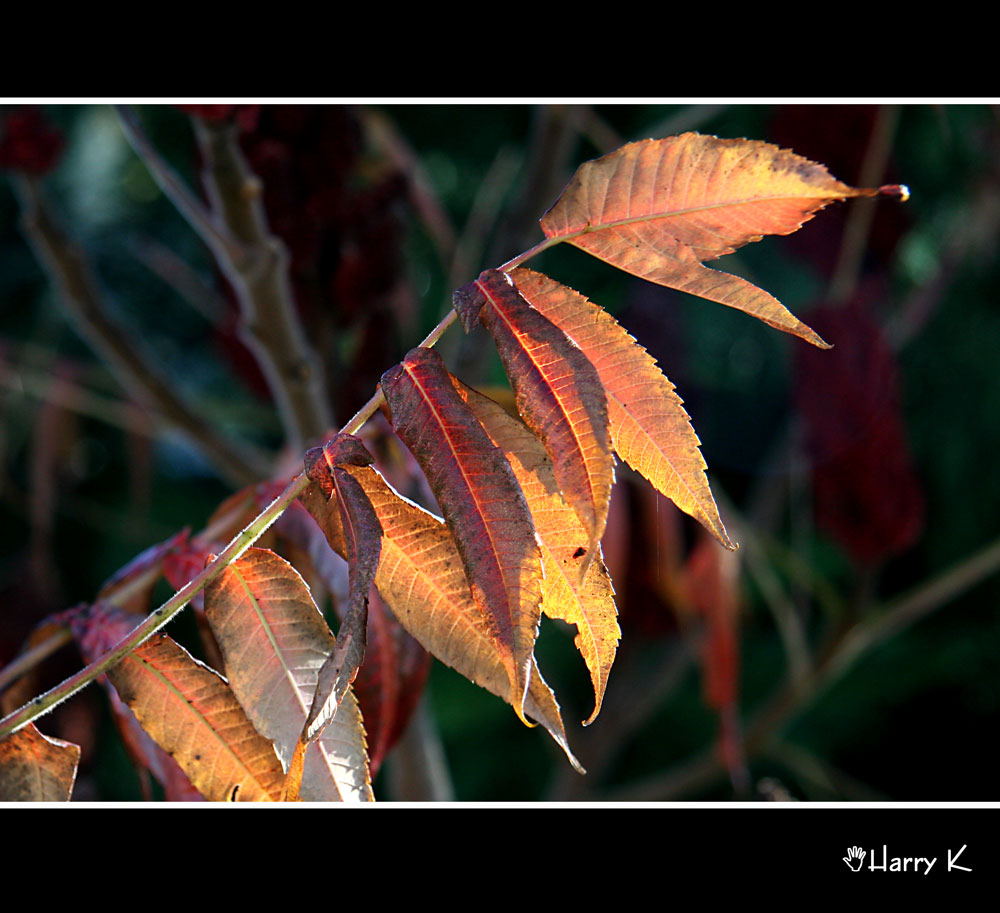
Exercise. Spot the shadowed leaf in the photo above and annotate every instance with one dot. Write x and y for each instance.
(192, 714)
(274, 641)
(650, 428)
(36, 768)
(557, 390)
(658, 208)
(588, 603)
(363, 538)
(421, 578)
(481, 501)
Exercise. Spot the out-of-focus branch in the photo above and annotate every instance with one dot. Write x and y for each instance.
(271, 326)
(133, 368)
(845, 648)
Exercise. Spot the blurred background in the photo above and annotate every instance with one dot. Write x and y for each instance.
(847, 651)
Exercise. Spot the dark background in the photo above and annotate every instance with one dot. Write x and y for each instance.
(863, 474)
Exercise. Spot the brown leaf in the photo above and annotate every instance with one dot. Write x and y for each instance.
(650, 429)
(658, 208)
(36, 768)
(558, 393)
(587, 603)
(363, 537)
(192, 714)
(422, 580)
(481, 501)
(274, 641)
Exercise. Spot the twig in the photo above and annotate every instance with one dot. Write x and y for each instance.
(152, 623)
(844, 649)
(418, 769)
(259, 276)
(186, 203)
(69, 270)
(31, 658)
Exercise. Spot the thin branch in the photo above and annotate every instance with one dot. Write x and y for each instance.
(243, 540)
(31, 658)
(259, 276)
(135, 370)
(187, 204)
(843, 650)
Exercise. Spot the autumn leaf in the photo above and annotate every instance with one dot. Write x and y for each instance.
(482, 504)
(363, 538)
(587, 603)
(132, 585)
(37, 768)
(422, 580)
(658, 208)
(97, 629)
(192, 714)
(274, 641)
(650, 429)
(558, 393)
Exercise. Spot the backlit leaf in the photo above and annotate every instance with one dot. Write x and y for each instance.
(192, 714)
(274, 641)
(97, 629)
(588, 603)
(481, 501)
(36, 768)
(422, 580)
(658, 208)
(557, 390)
(650, 428)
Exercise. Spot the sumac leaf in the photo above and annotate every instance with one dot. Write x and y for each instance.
(650, 429)
(37, 768)
(658, 208)
(192, 714)
(587, 603)
(274, 641)
(363, 538)
(482, 504)
(97, 629)
(557, 389)
(422, 580)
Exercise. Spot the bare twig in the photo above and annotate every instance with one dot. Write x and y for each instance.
(135, 370)
(187, 204)
(271, 327)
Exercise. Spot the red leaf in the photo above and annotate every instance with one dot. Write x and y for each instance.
(559, 393)
(482, 503)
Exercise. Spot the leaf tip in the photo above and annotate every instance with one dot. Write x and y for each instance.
(895, 190)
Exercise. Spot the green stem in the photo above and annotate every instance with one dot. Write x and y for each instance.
(243, 540)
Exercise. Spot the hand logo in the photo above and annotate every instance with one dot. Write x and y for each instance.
(855, 856)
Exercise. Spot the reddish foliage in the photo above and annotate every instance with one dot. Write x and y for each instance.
(245, 116)
(867, 494)
(29, 143)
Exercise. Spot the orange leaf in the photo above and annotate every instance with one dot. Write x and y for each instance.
(36, 768)
(422, 580)
(274, 641)
(481, 501)
(192, 714)
(587, 603)
(558, 393)
(658, 208)
(650, 429)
